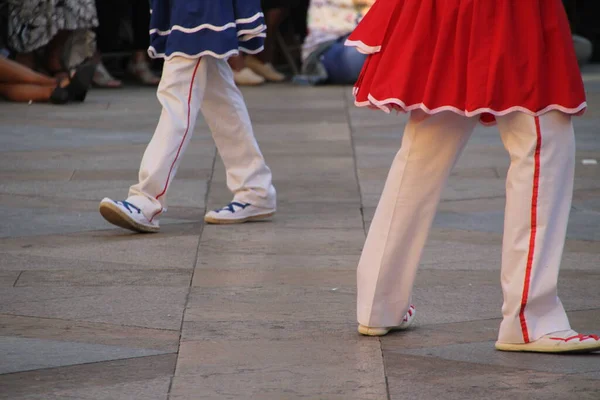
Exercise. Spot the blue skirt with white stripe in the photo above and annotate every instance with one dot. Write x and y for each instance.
(197, 28)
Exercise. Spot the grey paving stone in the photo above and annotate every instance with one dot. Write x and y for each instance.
(306, 190)
(307, 276)
(86, 332)
(265, 238)
(21, 354)
(35, 175)
(25, 262)
(253, 369)
(52, 138)
(444, 254)
(298, 116)
(280, 132)
(115, 246)
(317, 215)
(484, 353)
(153, 389)
(274, 303)
(130, 277)
(151, 307)
(425, 378)
(265, 262)
(30, 222)
(93, 190)
(339, 147)
(185, 193)
(328, 168)
(50, 204)
(53, 382)
(8, 278)
(275, 330)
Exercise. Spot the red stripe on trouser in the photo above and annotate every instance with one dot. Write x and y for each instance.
(532, 236)
(189, 104)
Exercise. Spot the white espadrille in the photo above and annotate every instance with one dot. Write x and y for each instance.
(373, 331)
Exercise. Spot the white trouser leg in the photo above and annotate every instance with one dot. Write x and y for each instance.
(387, 267)
(539, 189)
(180, 93)
(248, 176)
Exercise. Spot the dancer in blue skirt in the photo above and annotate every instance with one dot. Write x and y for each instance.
(195, 37)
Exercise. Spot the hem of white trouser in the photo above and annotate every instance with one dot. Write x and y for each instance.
(382, 323)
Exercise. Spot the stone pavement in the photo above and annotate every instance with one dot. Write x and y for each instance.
(264, 310)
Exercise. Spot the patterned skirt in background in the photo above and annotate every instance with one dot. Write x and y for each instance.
(33, 23)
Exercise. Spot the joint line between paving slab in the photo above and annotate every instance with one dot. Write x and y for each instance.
(187, 297)
(385, 377)
(355, 163)
(17, 280)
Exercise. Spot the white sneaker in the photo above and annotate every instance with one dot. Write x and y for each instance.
(246, 77)
(407, 321)
(557, 342)
(266, 70)
(236, 213)
(127, 215)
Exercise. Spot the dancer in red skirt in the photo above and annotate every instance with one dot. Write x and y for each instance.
(452, 64)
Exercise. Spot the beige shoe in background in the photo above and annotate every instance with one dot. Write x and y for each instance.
(246, 77)
(266, 70)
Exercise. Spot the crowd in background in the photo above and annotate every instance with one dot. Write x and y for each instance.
(55, 50)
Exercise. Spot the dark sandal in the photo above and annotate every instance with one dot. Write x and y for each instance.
(81, 81)
(59, 95)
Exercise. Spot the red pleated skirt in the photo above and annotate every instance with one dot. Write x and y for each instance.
(473, 57)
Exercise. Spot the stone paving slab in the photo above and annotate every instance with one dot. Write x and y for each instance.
(113, 246)
(87, 332)
(292, 369)
(9, 278)
(152, 307)
(93, 379)
(264, 262)
(264, 238)
(20, 354)
(454, 380)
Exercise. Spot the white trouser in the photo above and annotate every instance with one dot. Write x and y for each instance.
(539, 188)
(186, 87)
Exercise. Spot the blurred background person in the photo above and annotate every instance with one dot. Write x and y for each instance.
(116, 17)
(19, 83)
(251, 70)
(325, 58)
(53, 36)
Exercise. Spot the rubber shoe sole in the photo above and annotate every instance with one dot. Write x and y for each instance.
(224, 221)
(566, 348)
(373, 331)
(113, 214)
